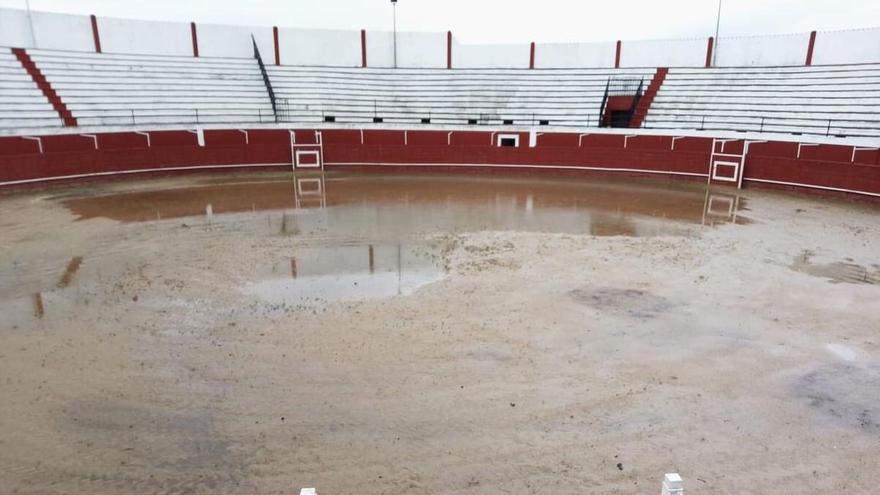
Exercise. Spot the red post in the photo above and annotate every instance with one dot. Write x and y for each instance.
(709, 47)
(617, 55)
(532, 56)
(810, 48)
(448, 49)
(195, 39)
(95, 34)
(277, 45)
(363, 47)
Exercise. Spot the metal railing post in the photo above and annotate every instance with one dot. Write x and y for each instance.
(266, 81)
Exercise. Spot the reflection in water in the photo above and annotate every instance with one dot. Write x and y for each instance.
(391, 205)
(348, 273)
(70, 271)
(722, 208)
(39, 310)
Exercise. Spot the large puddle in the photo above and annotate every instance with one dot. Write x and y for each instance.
(389, 206)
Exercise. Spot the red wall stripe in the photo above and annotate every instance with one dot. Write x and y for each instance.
(195, 39)
(810, 48)
(277, 45)
(710, 46)
(826, 166)
(532, 56)
(95, 34)
(617, 55)
(448, 49)
(363, 48)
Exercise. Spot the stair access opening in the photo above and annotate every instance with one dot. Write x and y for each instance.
(620, 101)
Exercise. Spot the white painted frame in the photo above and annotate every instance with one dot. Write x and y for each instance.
(300, 153)
(724, 163)
(502, 137)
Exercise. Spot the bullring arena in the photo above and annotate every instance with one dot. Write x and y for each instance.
(256, 259)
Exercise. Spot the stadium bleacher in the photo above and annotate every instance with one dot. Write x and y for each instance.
(104, 89)
(839, 100)
(22, 104)
(563, 97)
(122, 90)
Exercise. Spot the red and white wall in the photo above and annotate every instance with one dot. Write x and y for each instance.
(828, 167)
(346, 48)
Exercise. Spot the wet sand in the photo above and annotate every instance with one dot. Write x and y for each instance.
(263, 333)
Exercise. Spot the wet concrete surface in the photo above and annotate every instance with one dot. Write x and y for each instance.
(845, 394)
(635, 303)
(435, 334)
(837, 272)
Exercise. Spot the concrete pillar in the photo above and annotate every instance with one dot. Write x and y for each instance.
(277, 45)
(810, 47)
(532, 56)
(363, 48)
(96, 35)
(195, 38)
(617, 54)
(448, 49)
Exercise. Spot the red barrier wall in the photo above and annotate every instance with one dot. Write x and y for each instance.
(824, 167)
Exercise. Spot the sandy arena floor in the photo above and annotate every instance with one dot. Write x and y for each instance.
(368, 335)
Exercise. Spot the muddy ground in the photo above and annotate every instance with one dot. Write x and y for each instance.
(517, 338)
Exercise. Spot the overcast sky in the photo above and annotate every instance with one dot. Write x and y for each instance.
(490, 21)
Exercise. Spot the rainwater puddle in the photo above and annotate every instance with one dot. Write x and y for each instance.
(393, 205)
(319, 275)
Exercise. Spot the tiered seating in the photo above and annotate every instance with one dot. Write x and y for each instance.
(103, 89)
(484, 96)
(22, 104)
(830, 100)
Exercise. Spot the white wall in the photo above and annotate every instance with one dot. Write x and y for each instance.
(145, 37)
(573, 55)
(413, 49)
(490, 56)
(14, 29)
(847, 47)
(63, 31)
(342, 48)
(51, 31)
(786, 49)
(235, 41)
(320, 47)
(664, 53)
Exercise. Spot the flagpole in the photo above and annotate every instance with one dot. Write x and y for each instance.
(27, 5)
(717, 28)
(394, 9)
